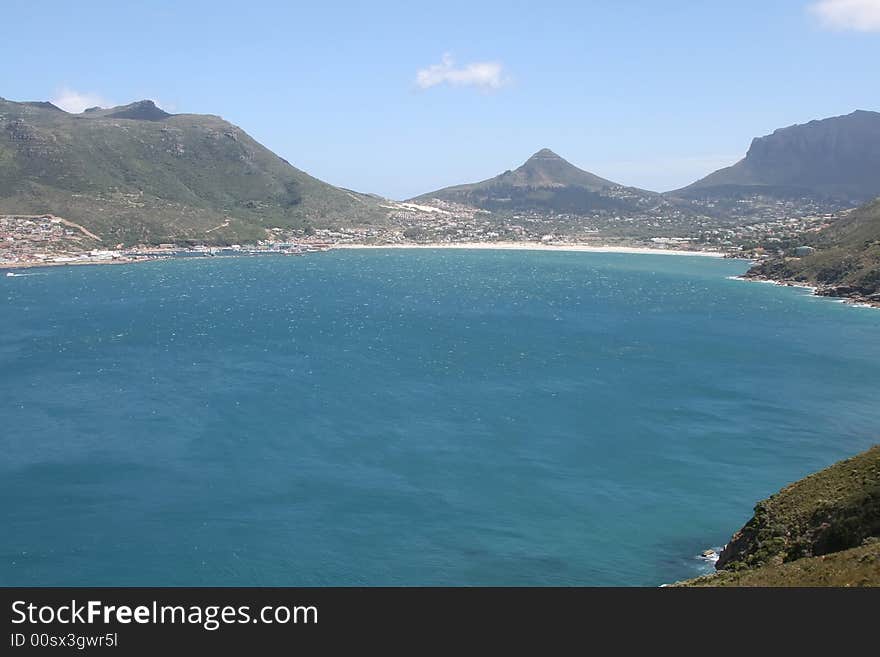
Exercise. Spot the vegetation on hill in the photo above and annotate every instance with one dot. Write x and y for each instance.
(823, 529)
(136, 174)
(547, 183)
(846, 260)
(859, 566)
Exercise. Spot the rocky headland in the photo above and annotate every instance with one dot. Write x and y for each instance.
(823, 530)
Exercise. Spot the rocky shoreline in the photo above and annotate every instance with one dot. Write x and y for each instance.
(823, 530)
(844, 293)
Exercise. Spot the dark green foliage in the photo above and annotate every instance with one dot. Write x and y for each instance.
(417, 234)
(835, 509)
(823, 530)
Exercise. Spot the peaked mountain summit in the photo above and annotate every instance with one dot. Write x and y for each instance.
(834, 158)
(145, 110)
(137, 174)
(546, 169)
(546, 183)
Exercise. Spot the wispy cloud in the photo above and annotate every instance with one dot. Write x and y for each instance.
(487, 76)
(858, 15)
(75, 102)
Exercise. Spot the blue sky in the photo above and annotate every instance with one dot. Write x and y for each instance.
(400, 98)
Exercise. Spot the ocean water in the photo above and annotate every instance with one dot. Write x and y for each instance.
(411, 417)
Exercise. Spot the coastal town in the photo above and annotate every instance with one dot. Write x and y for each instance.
(772, 229)
(47, 240)
(35, 240)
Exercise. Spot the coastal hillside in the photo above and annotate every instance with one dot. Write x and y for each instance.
(845, 262)
(835, 158)
(546, 183)
(821, 530)
(859, 566)
(137, 174)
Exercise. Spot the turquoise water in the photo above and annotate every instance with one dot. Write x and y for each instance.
(410, 417)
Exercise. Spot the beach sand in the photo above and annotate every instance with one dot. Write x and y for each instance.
(534, 246)
(507, 246)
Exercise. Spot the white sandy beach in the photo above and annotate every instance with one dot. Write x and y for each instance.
(505, 246)
(534, 246)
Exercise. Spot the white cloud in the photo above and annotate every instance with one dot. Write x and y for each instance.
(858, 15)
(75, 101)
(487, 76)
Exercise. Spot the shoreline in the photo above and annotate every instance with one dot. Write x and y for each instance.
(78, 263)
(489, 246)
(814, 290)
(535, 246)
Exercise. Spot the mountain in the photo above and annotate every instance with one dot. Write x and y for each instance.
(823, 530)
(136, 174)
(846, 260)
(546, 169)
(144, 110)
(546, 183)
(836, 158)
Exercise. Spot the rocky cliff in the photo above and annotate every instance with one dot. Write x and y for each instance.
(837, 158)
(823, 529)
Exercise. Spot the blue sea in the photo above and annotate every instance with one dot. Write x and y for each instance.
(411, 417)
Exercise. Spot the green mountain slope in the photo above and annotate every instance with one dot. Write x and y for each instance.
(138, 174)
(836, 158)
(846, 261)
(821, 530)
(546, 183)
